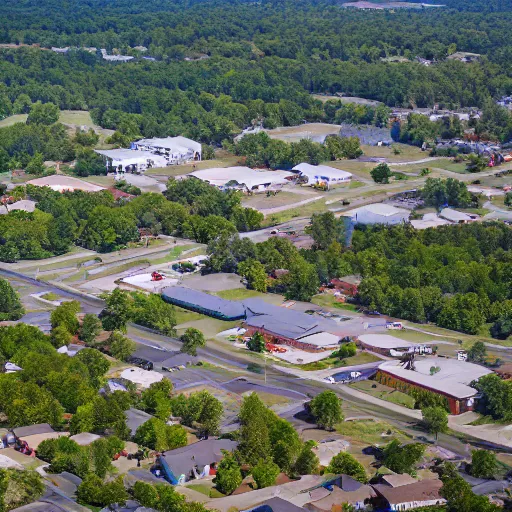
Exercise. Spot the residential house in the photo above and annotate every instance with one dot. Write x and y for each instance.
(175, 150)
(322, 175)
(419, 494)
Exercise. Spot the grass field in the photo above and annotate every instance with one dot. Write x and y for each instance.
(371, 432)
(239, 294)
(328, 300)
(384, 393)
(335, 362)
(9, 121)
(223, 160)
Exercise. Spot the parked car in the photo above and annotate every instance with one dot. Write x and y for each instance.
(141, 363)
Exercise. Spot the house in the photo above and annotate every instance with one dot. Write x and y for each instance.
(85, 438)
(135, 418)
(322, 175)
(141, 377)
(243, 178)
(444, 376)
(344, 490)
(379, 213)
(347, 285)
(128, 160)
(429, 220)
(175, 150)
(203, 303)
(405, 497)
(195, 460)
(275, 504)
(457, 217)
(25, 204)
(177, 360)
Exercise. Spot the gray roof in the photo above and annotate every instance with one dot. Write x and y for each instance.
(277, 505)
(198, 454)
(286, 322)
(203, 302)
(179, 358)
(39, 506)
(135, 418)
(31, 430)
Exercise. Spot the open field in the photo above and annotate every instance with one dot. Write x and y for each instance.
(9, 121)
(384, 393)
(283, 198)
(370, 432)
(240, 294)
(335, 362)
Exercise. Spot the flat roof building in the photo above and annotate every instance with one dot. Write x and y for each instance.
(379, 213)
(61, 183)
(457, 217)
(204, 303)
(387, 345)
(322, 174)
(242, 178)
(444, 376)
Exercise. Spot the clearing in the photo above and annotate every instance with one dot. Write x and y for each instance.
(384, 393)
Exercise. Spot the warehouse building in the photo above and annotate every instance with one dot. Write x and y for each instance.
(175, 150)
(243, 178)
(322, 175)
(444, 376)
(203, 303)
(379, 213)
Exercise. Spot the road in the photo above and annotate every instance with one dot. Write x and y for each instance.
(236, 363)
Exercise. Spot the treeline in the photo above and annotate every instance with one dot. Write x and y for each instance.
(456, 276)
(260, 150)
(193, 209)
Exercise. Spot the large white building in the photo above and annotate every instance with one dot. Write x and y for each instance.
(379, 213)
(243, 178)
(149, 153)
(322, 175)
(128, 160)
(176, 150)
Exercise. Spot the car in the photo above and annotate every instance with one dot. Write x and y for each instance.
(141, 363)
(371, 313)
(424, 439)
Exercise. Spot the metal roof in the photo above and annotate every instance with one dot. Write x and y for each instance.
(171, 143)
(30, 430)
(135, 418)
(324, 171)
(454, 215)
(209, 304)
(386, 210)
(220, 176)
(453, 379)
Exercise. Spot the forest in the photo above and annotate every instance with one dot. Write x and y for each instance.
(257, 55)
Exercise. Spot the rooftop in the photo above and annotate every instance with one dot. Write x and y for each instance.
(313, 171)
(385, 341)
(426, 490)
(455, 216)
(276, 504)
(385, 210)
(337, 496)
(25, 204)
(126, 154)
(453, 379)
(143, 378)
(398, 480)
(30, 430)
(135, 418)
(85, 438)
(220, 176)
(204, 301)
(61, 183)
(201, 453)
(172, 143)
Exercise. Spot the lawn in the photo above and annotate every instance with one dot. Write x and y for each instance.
(176, 252)
(328, 300)
(335, 362)
(371, 432)
(50, 296)
(184, 316)
(384, 393)
(355, 184)
(9, 121)
(239, 294)
(223, 160)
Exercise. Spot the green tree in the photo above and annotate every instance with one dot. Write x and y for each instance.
(346, 464)
(155, 434)
(65, 315)
(265, 473)
(325, 229)
(153, 312)
(502, 327)
(121, 347)
(61, 336)
(91, 327)
(302, 281)
(326, 409)
(256, 343)
(254, 272)
(95, 363)
(307, 462)
(19, 487)
(192, 340)
(205, 410)
(228, 476)
(36, 164)
(157, 399)
(381, 173)
(11, 307)
(118, 310)
(403, 459)
(43, 113)
(435, 420)
(477, 352)
(483, 464)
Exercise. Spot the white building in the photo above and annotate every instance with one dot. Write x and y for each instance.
(243, 178)
(176, 150)
(322, 174)
(128, 160)
(379, 213)
(457, 217)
